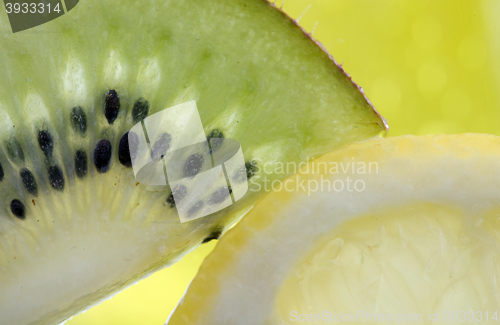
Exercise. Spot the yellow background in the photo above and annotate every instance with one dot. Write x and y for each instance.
(428, 66)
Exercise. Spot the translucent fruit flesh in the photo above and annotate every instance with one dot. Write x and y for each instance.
(88, 228)
(420, 235)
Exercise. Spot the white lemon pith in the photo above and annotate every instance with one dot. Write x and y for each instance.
(418, 238)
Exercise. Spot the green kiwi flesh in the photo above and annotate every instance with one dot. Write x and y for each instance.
(75, 225)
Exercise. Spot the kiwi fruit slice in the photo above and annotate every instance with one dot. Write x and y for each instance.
(75, 225)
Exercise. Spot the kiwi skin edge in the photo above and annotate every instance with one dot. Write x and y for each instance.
(88, 228)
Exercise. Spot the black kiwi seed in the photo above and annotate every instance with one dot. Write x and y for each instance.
(180, 192)
(111, 106)
(79, 120)
(141, 110)
(251, 168)
(133, 142)
(170, 200)
(14, 150)
(218, 196)
(102, 155)
(29, 181)
(197, 207)
(161, 146)
(1, 173)
(81, 163)
(18, 209)
(193, 165)
(214, 235)
(124, 151)
(215, 134)
(46, 143)
(56, 178)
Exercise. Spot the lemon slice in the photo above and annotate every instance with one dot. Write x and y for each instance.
(412, 236)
